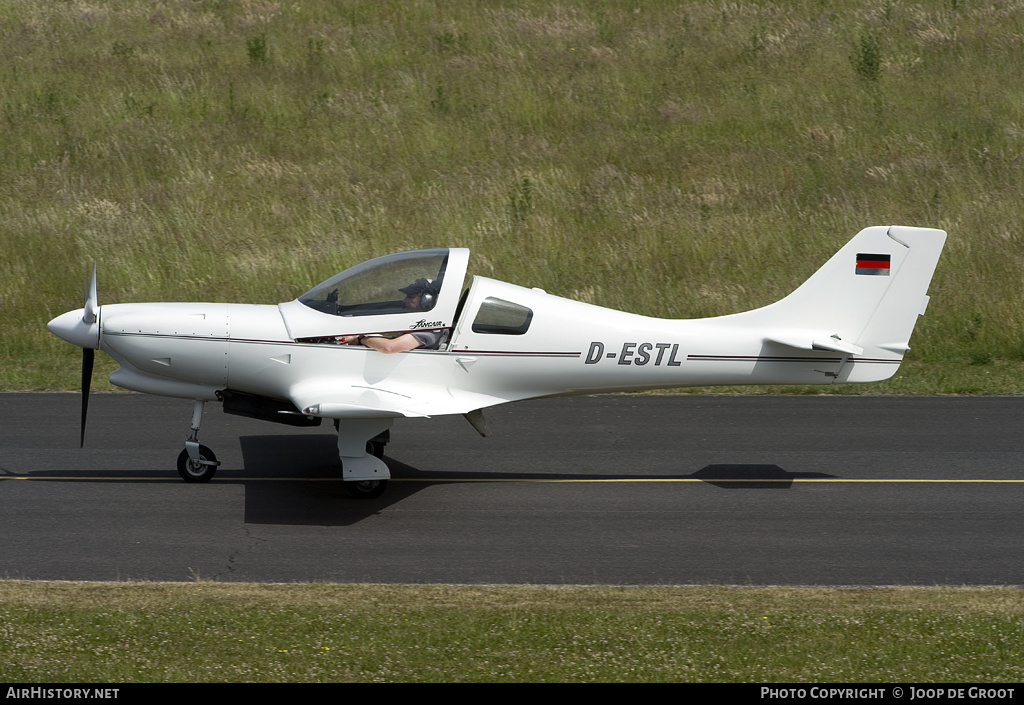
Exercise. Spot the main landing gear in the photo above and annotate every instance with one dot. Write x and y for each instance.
(361, 445)
(370, 489)
(197, 463)
(361, 449)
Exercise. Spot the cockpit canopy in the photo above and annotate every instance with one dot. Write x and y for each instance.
(380, 285)
(374, 297)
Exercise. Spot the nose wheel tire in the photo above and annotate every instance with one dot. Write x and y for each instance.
(202, 471)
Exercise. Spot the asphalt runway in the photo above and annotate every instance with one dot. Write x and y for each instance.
(622, 489)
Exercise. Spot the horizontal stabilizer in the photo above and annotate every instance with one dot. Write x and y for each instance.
(835, 344)
(812, 341)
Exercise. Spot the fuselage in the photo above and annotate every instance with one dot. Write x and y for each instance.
(194, 350)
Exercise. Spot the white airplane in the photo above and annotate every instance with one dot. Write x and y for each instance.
(322, 356)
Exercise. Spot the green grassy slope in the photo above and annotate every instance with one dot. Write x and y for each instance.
(672, 159)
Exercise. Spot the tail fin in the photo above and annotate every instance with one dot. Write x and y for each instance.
(863, 302)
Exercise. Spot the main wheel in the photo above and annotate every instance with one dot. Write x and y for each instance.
(375, 448)
(191, 471)
(366, 489)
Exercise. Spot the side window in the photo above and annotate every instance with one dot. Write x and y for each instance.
(500, 317)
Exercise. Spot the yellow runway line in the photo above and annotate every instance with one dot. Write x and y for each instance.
(801, 480)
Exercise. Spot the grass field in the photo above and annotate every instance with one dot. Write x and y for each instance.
(677, 159)
(203, 632)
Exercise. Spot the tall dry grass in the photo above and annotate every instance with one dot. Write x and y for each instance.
(673, 159)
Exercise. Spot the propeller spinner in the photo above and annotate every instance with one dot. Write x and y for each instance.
(82, 328)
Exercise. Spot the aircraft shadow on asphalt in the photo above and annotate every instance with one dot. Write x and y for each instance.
(296, 480)
(762, 477)
(326, 502)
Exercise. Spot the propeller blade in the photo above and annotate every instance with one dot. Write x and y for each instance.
(91, 309)
(88, 355)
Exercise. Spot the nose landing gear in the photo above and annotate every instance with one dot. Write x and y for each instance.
(197, 463)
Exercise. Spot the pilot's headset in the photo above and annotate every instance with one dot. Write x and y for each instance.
(427, 289)
(429, 295)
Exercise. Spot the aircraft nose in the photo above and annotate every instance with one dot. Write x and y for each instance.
(71, 327)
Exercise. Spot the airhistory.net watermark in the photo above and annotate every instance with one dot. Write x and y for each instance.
(48, 693)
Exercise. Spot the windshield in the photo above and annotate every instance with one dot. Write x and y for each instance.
(398, 283)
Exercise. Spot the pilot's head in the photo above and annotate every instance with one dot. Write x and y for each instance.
(421, 295)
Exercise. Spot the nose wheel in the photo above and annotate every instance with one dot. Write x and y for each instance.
(202, 469)
(196, 463)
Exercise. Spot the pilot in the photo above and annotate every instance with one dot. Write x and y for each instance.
(421, 295)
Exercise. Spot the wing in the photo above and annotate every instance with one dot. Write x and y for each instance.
(329, 398)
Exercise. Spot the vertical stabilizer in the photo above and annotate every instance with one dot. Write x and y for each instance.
(863, 303)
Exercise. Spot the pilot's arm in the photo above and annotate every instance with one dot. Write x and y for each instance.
(382, 344)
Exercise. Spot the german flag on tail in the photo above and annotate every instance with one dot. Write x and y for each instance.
(877, 265)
